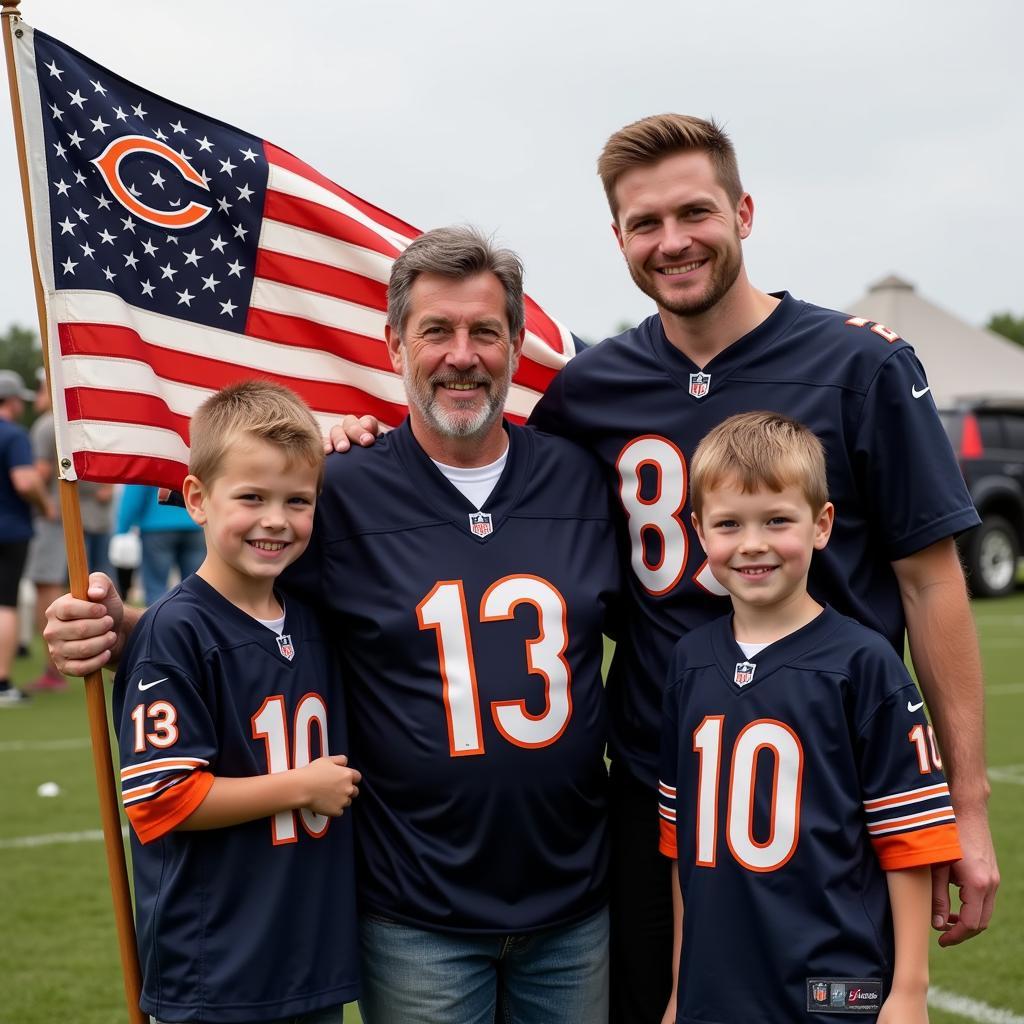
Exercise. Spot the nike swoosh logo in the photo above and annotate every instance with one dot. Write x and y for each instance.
(918, 394)
(915, 707)
(146, 686)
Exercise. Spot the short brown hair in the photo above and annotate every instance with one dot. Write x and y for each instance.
(653, 138)
(760, 449)
(258, 409)
(458, 253)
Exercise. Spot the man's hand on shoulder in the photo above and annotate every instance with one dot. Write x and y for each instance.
(84, 636)
(360, 430)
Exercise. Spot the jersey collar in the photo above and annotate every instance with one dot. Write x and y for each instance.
(728, 656)
(680, 367)
(446, 499)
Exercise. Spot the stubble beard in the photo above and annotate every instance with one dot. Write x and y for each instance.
(726, 271)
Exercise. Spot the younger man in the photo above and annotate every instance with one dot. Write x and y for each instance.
(231, 727)
(806, 778)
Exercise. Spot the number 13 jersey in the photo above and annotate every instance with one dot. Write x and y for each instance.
(472, 647)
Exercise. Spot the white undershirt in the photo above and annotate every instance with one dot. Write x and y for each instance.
(274, 625)
(475, 483)
(751, 651)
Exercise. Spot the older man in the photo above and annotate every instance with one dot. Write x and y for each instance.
(469, 566)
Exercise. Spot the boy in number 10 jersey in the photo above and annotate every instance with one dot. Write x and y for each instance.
(801, 788)
(231, 733)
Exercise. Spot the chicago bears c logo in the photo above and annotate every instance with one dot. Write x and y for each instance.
(108, 163)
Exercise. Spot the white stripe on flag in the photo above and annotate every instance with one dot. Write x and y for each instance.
(322, 309)
(332, 252)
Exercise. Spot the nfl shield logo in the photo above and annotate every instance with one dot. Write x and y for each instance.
(744, 672)
(700, 384)
(819, 992)
(285, 646)
(480, 524)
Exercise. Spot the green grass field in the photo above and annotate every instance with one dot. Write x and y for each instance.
(59, 954)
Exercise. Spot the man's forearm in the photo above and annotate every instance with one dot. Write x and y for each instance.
(944, 648)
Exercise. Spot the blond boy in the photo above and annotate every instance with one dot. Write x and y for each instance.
(231, 732)
(801, 789)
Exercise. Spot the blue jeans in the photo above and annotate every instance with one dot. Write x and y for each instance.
(413, 976)
(162, 550)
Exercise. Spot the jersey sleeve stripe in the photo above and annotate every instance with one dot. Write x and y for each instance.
(909, 821)
(907, 797)
(667, 840)
(668, 813)
(162, 764)
(152, 819)
(151, 789)
(936, 845)
(665, 790)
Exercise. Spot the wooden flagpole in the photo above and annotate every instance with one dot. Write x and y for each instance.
(78, 573)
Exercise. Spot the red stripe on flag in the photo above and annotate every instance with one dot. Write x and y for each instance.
(124, 407)
(282, 158)
(103, 340)
(304, 213)
(107, 468)
(533, 375)
(542, 325)
(317, 277)
(293, 330)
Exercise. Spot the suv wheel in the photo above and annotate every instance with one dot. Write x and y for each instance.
(991, 552)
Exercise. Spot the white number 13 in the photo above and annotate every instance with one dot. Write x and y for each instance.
(444, 611)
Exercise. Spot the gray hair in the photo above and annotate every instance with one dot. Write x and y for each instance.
(456, 253)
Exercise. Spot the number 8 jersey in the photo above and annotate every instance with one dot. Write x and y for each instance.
(256, 921)
(789, 784)
(643, 407)
(472, 646)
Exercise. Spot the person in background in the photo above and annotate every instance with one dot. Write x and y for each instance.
(20, 490)
(170, 540)
(47, 566)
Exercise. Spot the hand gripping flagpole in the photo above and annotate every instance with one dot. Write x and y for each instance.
(78, 573)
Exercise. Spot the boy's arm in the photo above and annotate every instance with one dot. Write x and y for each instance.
(910, 893)
(324, 786)
(669, 1016)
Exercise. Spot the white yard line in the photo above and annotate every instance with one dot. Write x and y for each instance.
(92, 835)
(8, 746)
(1008, 773)
(971, 1009)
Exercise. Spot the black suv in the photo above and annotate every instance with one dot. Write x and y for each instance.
(988, 438)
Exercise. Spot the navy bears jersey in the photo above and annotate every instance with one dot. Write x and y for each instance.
(256, 921)
(789, 783)
(643, 406)
(472, 647)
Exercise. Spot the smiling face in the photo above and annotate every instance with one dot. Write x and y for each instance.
(257, 516)
(680, 233)
(456, 358)
(759, 545)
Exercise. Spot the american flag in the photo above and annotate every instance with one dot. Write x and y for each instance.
(179, 254)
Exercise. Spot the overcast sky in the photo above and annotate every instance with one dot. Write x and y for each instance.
(875, 136)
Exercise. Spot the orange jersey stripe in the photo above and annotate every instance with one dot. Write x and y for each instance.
(936, 845)
(152, 819)
(909, 821)
(667, 839)
(910, 797)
